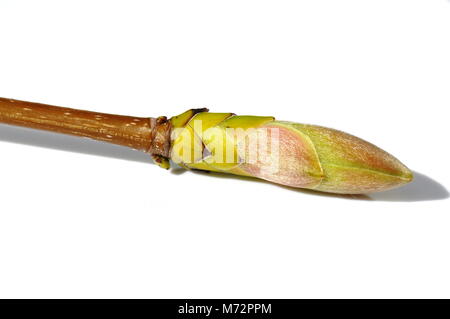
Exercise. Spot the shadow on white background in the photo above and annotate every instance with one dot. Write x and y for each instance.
(423, 188)
(69, 143)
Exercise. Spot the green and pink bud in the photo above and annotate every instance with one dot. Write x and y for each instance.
(287, 153)
(324, 159)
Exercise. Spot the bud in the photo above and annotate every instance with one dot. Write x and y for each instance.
(327, 160)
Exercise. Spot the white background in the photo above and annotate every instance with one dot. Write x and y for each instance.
(85, 219)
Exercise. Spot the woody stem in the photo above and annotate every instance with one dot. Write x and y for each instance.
(145, 134)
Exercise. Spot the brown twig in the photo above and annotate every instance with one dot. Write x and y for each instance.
(150, 135)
